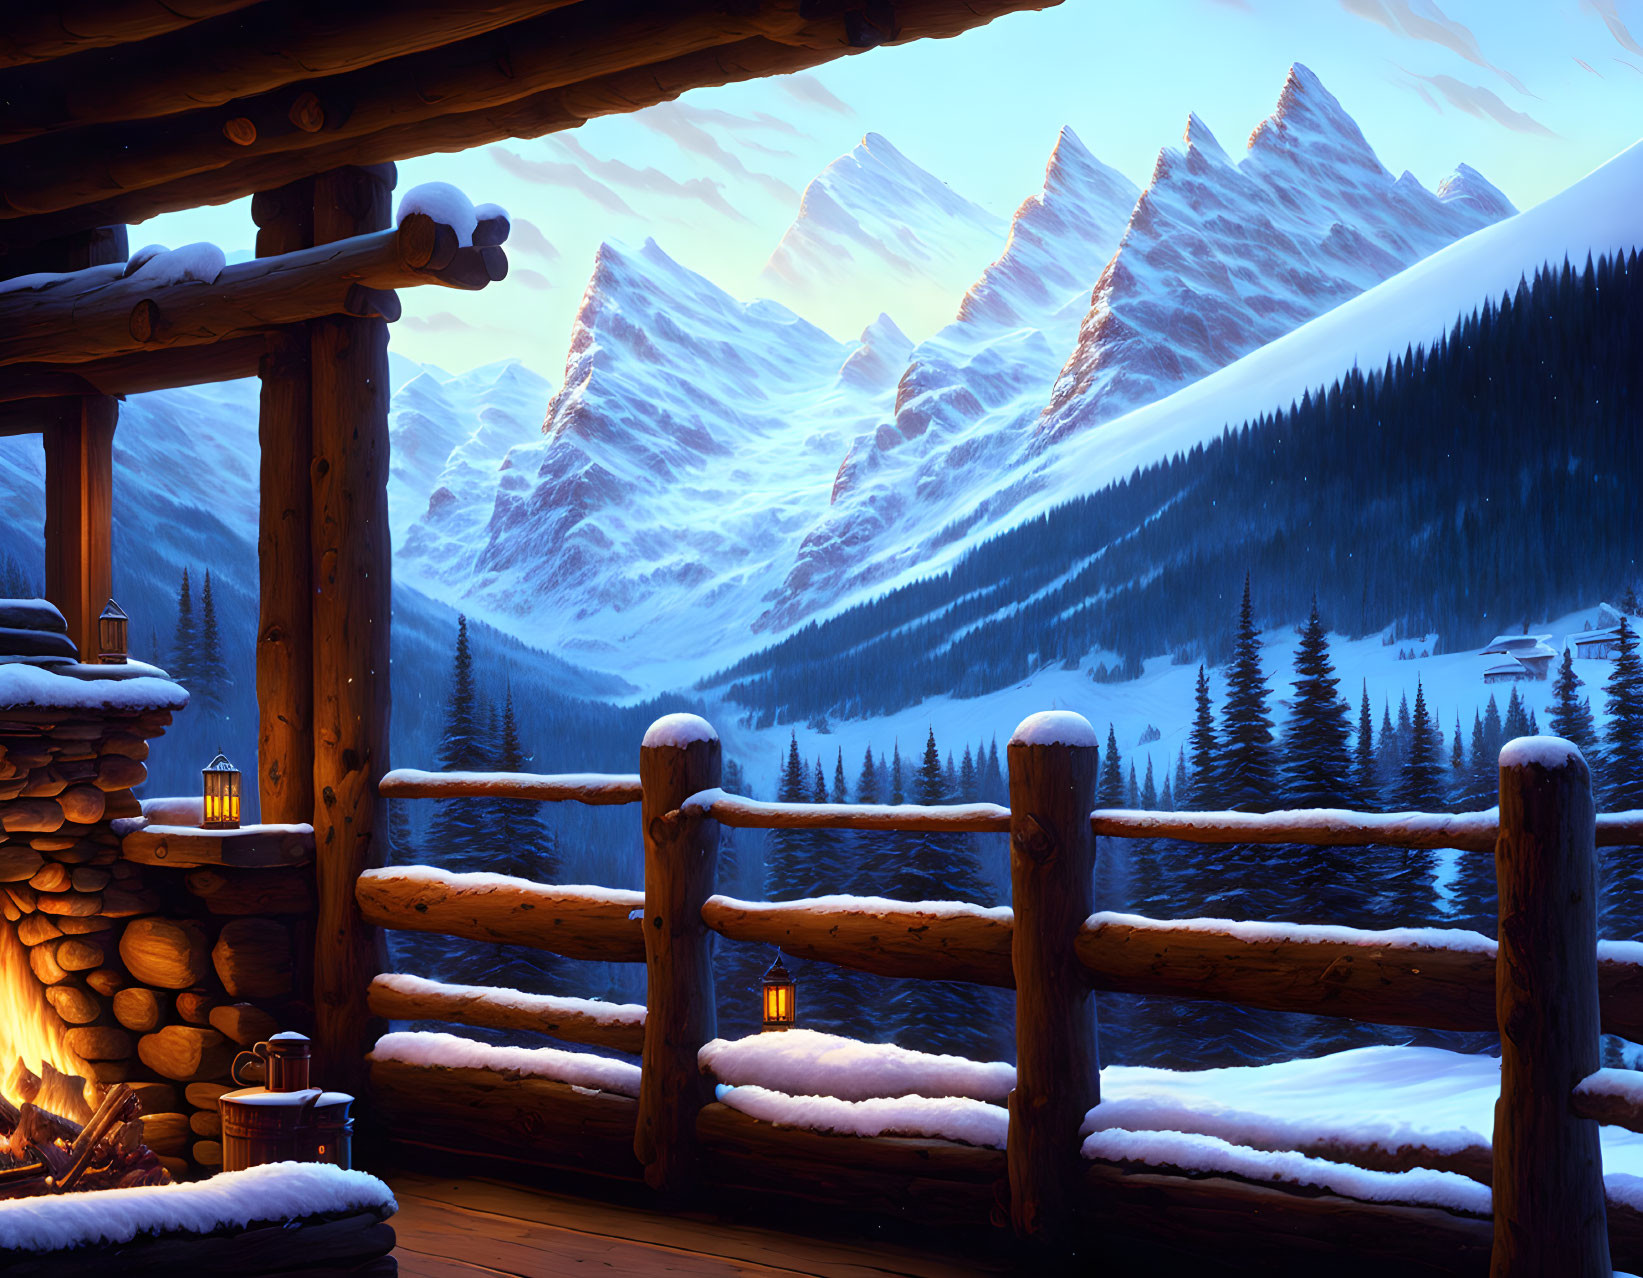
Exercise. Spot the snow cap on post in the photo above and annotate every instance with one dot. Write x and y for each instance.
(678, 731)
(444, 203)
(1545, 751)
(1055, 727)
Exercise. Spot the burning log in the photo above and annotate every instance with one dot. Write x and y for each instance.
(44, 1153)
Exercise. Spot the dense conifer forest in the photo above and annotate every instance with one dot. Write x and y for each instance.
(1458, 490)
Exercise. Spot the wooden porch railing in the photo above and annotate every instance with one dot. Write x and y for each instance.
(1549, 987)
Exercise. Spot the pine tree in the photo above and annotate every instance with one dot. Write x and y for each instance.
(867, 782)
(211, 678)
(1517, 722)
(458, 833)
(1422, 786)
(1247, 775)
(788, 869)
(969, 782)
(1110, 792)
(1205, 790)
(1149, 791)
(1623, 746)
(1132, 791)
(1571, 716)
(1317, 769)
(1166, 797)
(182, 647)
(839, 788)
(1365, 780)
(898, 793)
(994, 788)
(1460, 779)
(1181, 789)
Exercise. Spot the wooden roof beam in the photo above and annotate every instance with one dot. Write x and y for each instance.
(149, 370)
(464, 95)
(60, 171)
(238, 56)
(345, 277)
(50, 29)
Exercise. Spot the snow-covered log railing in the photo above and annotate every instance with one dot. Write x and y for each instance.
(1337, 827)
(198, 302)
(596, 788)
(600, 924)
(618, 1026)
(755, 814)
(931, 941)
(1613, 1096)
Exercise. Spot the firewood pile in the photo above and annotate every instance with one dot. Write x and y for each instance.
(44, 1153)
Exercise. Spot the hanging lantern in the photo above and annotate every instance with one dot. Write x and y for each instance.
(111, 635)
(780, 1004)
(222, 795)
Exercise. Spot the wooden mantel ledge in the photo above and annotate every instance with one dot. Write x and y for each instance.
(187, 846)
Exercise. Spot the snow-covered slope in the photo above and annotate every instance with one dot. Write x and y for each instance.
(874, 215)
(970, 394)
(690, 441)
(1221, 257)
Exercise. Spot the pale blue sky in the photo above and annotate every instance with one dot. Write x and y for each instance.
(1532, 93)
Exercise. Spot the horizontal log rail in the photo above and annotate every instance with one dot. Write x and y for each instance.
(148, 370)
(1338, 827)
(586, 787)
(354, 276)
(756, 814)
(38, 32)
(1613, 1096)
(617, 1026)
(887, 938)
(597, 924)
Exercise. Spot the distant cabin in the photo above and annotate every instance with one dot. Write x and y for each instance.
(1522, 657)
(1601, 642)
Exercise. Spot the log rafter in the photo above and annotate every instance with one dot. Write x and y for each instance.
(40, 32)
(354, 276)
(747, 47)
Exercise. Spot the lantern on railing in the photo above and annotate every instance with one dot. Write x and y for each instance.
(780, 1005)
(111, 635)
(222, 795)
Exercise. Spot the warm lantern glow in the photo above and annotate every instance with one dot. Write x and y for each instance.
(780, 1002)
(111, 635)
(222, 795)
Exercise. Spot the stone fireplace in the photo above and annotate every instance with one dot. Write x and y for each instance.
(135, 947)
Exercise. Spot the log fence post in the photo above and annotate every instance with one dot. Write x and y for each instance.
(1052, 762)
(1549, 1211)
(679, 757)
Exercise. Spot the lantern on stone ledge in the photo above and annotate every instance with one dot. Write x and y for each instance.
(222, 795)
(780, 1004)
(111, 635)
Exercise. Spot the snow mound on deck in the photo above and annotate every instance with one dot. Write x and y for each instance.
(449, 1051)
(232, 1200)
(803, 1062)
(971, 1122)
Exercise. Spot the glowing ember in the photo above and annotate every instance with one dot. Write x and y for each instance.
(34, 1038)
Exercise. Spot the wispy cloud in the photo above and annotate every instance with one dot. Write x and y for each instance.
(1423, 20)
(1632, 65)
(682, 125)
(1484, 103)
(805, 88)
(1606, 10)
(1243, 6)
(649, 180)
(1587, 66)
(530, 279)
(567, 176)
(527, 237)
(438, 322)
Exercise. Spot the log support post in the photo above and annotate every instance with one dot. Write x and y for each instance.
(1549, 1207)
(350, 573)
(80, 513)
(1052, 760)
(285, 620)
(679, 758)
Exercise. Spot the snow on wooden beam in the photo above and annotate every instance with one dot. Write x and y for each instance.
(1319, 827)
(354, 276)
(1613, 1096)
(600, 924)
(213, 62)
(933, 942)
(57, 28)
(586, 787)
(617, 1026)
(755, 814)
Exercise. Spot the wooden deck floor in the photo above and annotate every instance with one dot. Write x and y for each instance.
(462, 1227)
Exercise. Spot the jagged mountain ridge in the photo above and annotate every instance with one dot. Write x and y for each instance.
(1221, 257)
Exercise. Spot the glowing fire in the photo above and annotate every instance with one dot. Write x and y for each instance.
(34, 1040)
